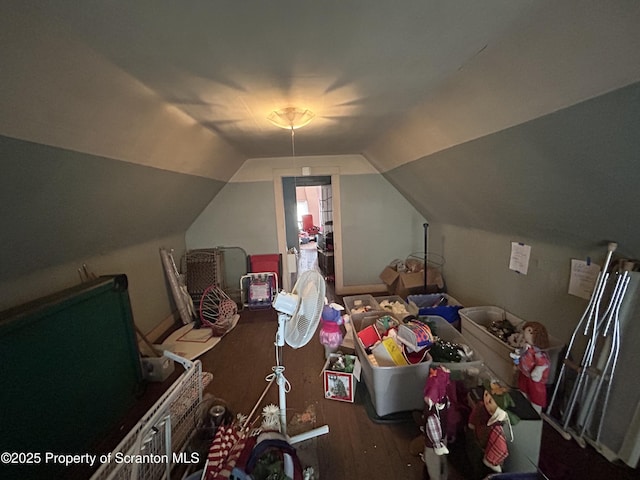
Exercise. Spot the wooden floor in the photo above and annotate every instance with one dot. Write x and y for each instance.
(356, 446)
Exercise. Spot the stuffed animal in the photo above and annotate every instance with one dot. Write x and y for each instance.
(486, 439)
(533, 364)
(331, 334)
(434, 423)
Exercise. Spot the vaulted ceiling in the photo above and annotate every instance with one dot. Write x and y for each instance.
(393, 80)
(538, 96)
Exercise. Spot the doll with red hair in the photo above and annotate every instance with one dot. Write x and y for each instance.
(533, 364)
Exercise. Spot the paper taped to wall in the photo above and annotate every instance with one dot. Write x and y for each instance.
(519, 260)
(583, 278)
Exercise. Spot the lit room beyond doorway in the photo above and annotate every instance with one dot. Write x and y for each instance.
(315, 229)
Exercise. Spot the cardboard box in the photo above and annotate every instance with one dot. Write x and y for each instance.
(340, 385)
(404, 284)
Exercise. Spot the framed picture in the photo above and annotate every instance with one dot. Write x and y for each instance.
(339, 386)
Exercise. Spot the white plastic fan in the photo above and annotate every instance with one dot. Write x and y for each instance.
(301, 309)
(298, 317)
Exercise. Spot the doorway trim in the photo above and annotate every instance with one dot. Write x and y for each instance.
(334, 172)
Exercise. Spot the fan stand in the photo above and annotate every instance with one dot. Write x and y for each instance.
(284, 387)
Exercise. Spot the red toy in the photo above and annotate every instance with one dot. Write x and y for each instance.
(533, 364)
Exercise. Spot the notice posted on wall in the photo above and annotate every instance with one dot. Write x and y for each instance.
(520, 254)
(584, 275)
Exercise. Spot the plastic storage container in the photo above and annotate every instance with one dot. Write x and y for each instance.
(353, 302)
(495, 352)
(392, 299)
(392, 389)
(449, 311)
(443, 329)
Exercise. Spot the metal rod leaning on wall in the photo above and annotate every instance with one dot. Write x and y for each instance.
(426, 237)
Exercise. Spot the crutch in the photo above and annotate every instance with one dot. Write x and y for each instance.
(616, 336)
(593, 324)
(588, 319)
(610, 332)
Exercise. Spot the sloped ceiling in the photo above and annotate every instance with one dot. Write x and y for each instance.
(186, 87)
(395, 81)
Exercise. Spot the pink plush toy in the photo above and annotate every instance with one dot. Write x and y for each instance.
(533, 363)
(331, 328)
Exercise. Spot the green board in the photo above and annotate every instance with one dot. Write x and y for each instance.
(69, 372)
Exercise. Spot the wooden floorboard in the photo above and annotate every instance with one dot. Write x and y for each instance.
(356, 447)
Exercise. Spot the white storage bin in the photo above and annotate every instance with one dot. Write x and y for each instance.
(392, 389)
(353, 302)
(495, 352)
(445, 331)
(392, 299)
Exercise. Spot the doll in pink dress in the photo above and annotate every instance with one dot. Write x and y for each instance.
(331, 329)
(533, 364)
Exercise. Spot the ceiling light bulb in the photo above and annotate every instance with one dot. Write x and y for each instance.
(291, 118)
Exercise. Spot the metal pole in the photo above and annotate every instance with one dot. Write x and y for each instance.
(426, 228)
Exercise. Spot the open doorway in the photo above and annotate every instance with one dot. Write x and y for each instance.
(308, 203)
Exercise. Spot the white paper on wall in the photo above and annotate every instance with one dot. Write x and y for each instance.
(583, 278)
(520, 254)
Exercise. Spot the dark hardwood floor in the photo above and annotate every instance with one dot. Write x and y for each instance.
(357, 447)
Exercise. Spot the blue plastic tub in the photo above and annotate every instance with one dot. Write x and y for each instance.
(425, 303)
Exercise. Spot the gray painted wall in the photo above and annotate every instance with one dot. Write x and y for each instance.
(378, 226)
(570, 177)
(565, 184)
(241, 215)
(477, 274)
(61, 208)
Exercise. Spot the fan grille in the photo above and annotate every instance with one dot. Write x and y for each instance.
(311, 290)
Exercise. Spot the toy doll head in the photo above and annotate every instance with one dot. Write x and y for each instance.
(435, 389)
(535, 334)
(330, 314)
(497, 396)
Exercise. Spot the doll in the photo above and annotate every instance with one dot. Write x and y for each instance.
(487, 440)
(331, 324)
(435, 423)
(533, 364)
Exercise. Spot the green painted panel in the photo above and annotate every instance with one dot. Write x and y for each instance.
(70, 372)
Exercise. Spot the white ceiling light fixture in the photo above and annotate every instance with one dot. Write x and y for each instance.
(291, 118)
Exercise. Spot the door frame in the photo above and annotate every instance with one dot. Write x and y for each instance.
(334, 173)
